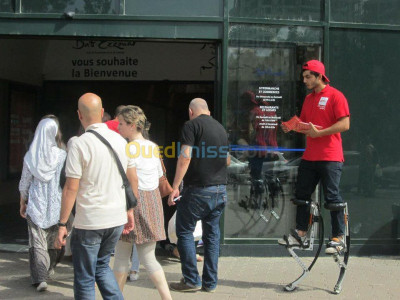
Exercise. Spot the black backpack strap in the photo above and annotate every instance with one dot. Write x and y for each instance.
(120, 168)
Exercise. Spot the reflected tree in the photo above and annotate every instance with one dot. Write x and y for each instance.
(45, 6)
(246, 8)
(98, 6)
(277, 9)
(59, 6)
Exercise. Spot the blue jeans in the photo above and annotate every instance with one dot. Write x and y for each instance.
(310, 173)
(135, 259)
(91, 252)
(205, 204)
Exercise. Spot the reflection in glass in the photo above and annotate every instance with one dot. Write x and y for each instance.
(6, 6)
(361, 11)
(183, 8)
(36, 6)
(77, 6)
(371, 174)
(264, 89)
(308, 10)
(97, 6)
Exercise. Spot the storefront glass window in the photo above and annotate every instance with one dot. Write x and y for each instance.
(265, 88)
(371, 174)
(6, 6)
(183, 8)
(361, 11)
(76, 6)
(304, 10)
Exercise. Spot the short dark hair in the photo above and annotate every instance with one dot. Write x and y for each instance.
(118, 110)
(106, 117)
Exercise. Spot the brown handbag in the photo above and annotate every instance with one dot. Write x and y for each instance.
(164, 186)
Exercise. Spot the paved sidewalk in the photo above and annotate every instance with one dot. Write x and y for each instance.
(240, 278)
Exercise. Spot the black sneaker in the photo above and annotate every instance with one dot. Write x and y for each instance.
(181, 286)
(335, 245)
(207, 290)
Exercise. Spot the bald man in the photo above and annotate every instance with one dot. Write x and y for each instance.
(202, 164)
(93, 179)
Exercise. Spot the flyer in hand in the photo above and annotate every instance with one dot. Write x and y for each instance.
(297, 125)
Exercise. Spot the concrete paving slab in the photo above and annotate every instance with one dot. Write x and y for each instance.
(239, 278)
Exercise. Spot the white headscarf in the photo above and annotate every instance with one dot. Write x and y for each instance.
(42, 156)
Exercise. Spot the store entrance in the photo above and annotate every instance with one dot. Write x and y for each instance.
(165, 104)
(49, 75)
(161, 77)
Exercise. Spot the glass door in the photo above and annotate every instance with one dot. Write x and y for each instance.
(264, 88)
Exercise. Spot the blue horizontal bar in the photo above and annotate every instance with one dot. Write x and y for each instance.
(258, 148)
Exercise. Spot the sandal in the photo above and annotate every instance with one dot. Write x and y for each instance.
(175, 253)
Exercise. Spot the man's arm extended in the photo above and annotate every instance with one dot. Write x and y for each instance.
(133, 180)
(228, 159)
(68, 199)
(181, 168)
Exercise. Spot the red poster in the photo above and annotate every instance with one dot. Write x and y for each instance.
(21, 128)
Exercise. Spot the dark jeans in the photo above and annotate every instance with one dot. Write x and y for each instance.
(310, 173)
(256, 165)
(91, 252)
(205, 204)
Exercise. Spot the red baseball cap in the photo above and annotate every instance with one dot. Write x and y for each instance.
(316, 66)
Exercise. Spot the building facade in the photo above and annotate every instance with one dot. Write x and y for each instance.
(245, 58)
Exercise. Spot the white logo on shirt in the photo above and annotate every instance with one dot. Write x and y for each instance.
(322, 102)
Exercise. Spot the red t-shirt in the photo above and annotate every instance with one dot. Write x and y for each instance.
(325, 109)
(113, 125)
(263, 136)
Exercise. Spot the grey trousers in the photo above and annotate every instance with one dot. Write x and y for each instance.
(42, 255)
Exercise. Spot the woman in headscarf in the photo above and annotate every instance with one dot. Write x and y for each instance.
(40, 198)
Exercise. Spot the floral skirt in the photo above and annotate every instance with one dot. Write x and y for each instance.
(149, 219)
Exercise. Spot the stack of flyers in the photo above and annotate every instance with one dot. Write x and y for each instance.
(297, 125)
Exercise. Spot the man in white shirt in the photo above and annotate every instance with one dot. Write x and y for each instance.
(93, 179)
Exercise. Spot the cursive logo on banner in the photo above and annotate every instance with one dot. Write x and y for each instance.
(102, 45)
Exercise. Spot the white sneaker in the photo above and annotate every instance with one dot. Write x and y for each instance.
(293, 239)
(334, 246)
(51, 272)
(42, 286)
(133, 276)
